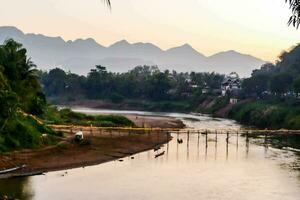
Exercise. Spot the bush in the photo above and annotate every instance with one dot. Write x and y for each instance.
(116, 98)
(67, 116)
(23, 132)
(264, 115)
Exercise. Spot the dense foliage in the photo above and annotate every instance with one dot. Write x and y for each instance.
(281, 79)
(20, 93)
(144, 86)
(66, 116)
(275, 87)
(295, 18)
(22, 100)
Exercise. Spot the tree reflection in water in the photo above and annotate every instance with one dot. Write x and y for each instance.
(17, 188)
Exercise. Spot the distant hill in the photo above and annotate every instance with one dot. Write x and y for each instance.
(81, 55)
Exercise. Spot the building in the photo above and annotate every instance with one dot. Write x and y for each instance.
(231, 84)
(233, 101)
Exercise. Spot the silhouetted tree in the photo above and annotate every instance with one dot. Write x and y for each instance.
(281, 83)
(296, 85)
(295, 7)
(108, 2)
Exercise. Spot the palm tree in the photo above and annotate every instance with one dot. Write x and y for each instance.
(295, 18)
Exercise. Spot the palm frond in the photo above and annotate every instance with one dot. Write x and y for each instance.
(107, 2)
(294, 20)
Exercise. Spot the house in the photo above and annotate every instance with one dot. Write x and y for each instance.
(205, 90)
(231, 84)
(233, 100)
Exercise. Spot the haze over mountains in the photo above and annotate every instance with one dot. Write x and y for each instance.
(80, 56)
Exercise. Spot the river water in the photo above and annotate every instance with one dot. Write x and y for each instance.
(258, 168)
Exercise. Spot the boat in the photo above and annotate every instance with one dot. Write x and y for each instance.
(160, 154)
(179, 141)
(29, 174)
(5, 171)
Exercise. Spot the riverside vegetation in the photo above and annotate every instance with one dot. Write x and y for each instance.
(22, 101)
(274, 93)
(268, 99)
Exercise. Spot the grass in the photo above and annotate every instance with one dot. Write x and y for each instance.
(24, 133)
(67, 116)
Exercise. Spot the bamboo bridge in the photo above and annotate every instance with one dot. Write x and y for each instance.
(93, 129)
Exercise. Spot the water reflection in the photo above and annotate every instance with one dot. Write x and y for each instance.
(196, 149)
(204, 166)
(17, 188)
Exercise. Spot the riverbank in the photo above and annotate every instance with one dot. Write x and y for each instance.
(273, 114)
(95, 149)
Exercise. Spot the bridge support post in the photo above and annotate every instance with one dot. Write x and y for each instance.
(206, 139)
(91, 130)
(227, 137)
(188, 136)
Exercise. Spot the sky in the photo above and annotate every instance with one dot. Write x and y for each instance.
(256, 27)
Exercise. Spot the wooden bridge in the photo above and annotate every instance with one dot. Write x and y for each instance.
(93, 129)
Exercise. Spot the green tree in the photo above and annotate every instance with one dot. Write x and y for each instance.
(281, 83)
(20, 73)
(255, 85)
(296, 85)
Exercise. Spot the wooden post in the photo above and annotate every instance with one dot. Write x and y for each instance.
(247, 144)
(227, 137)
(265, 140)
(91, 130)
(188, 136)
(206, 139)
(237, 140)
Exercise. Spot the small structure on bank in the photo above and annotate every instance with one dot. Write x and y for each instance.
(233, 100)
(78, 137)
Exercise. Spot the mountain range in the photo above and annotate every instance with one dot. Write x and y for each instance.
(81, 55)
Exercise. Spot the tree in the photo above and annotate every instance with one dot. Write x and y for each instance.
(295, 18)
(158, 85)
(266, 69)
(281, 83)
(20, 73)
(296, 85)
(255, 85)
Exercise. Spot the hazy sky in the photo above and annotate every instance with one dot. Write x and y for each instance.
(256, 27)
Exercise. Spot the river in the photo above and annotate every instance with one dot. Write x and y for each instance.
(261, 168)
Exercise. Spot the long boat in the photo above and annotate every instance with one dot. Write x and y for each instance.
(5, 171)
(29, 174)
(160, 154)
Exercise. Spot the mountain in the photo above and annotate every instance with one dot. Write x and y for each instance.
(229, 61)
(80, 55)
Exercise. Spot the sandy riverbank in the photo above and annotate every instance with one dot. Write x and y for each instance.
(97, 148)
(155, 122)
